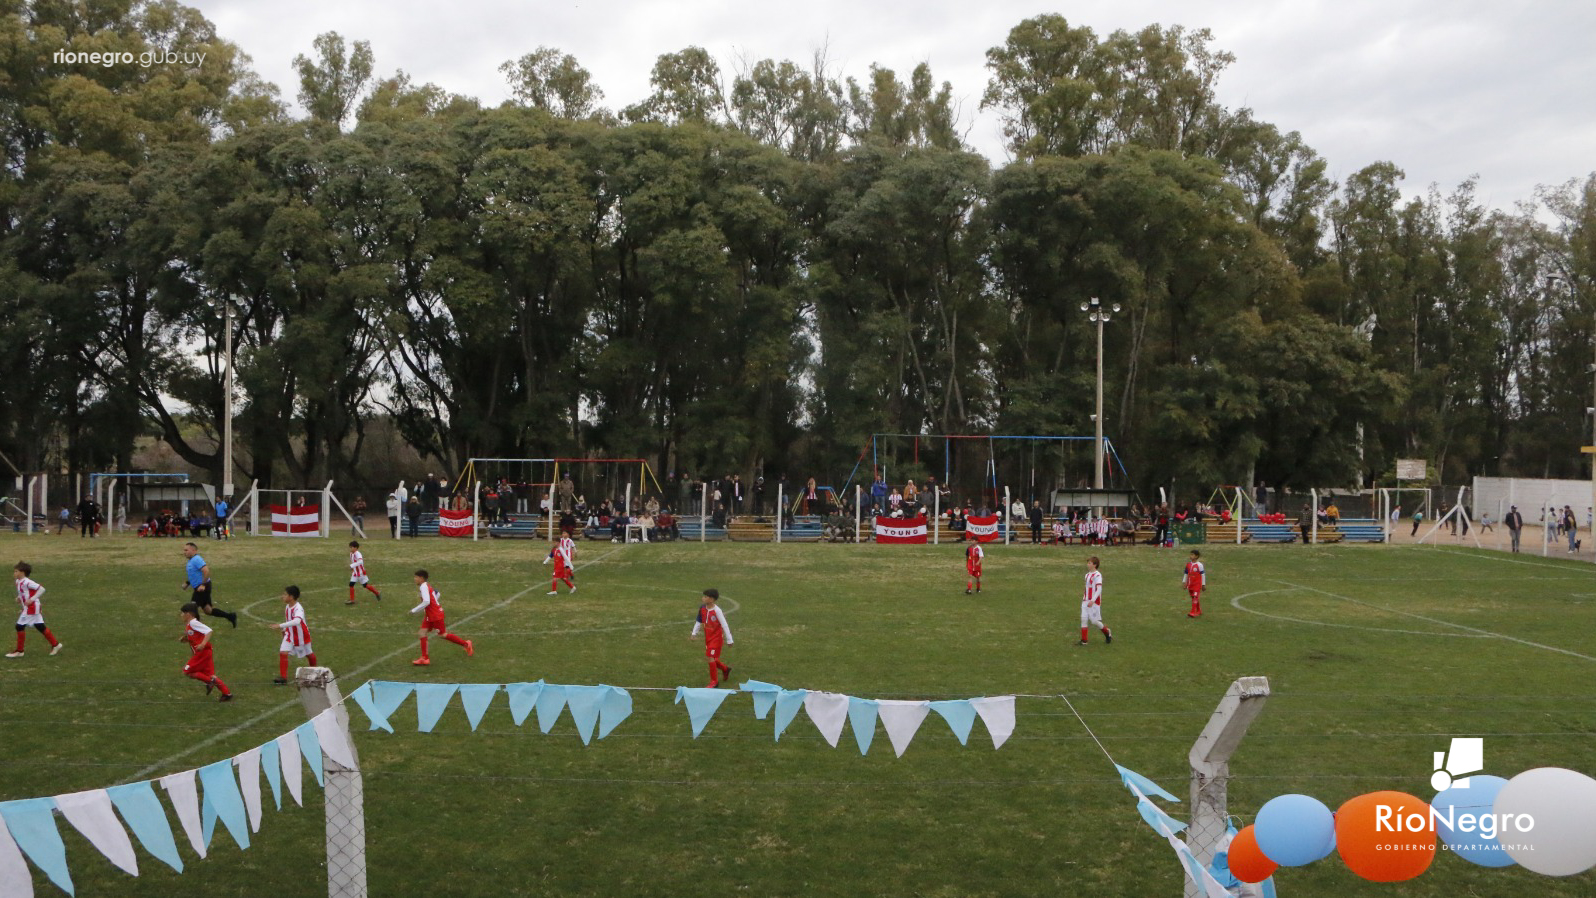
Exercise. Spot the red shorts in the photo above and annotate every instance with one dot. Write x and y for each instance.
(974, 569)
(434, 623)
(712, 652)
(202, 664)
(1195, 591)
(561, 572)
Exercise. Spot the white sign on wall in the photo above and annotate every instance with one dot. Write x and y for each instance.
(1411, 469)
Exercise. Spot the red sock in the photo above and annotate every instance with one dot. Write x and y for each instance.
(724, 668)
(282, 665)
(423, 646)
(370, 590)
(714, 675)
(1083, 634)
(312, 660)
(454, 639)
(554, 585)
(50, 638)
(569, 584)
(222, 686)
(351, 592)
(969, 585)
(21, 635)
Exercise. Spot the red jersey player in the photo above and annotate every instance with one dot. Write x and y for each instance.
(1195, 578)
(433, 620)
(563, 555)
(201, 663)
(296, 634)
(973, 553)
(357, 573)
(1092, 602)
(717, 634)
(30, 596)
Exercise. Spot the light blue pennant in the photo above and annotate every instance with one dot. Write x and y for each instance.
(523, 698)
(584, 703)
(32, 825)
(272, 765)
(764, 696)
(550, 701)
(616, 707)
(386, 699)
(431, 700)
(788, 703)
(310, 749)
(142, 813)
(960, 716)
(222, 800)
(702, 703)
(1130, 777)
(862, 717)
(476, 698)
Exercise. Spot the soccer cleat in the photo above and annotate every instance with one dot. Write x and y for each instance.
(469, 649)
(13, 654)
(421, 662)
(280, 681)
(226, 698)
(209, 686)
(57, 649)
(233, 617)
(1082, 642)
(377, 594)
(726, 675)
(967, 591)
(350, 602)
(552, 592)
(1108, 637)
(1195, 614)
(573, 590)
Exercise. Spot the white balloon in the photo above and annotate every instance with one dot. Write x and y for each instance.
(1561, 841)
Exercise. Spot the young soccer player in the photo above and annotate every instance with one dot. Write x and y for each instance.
(1195, 578)
(296, 635)
(973, 553)
(717, 635)
(201, 662)
(433, 620)
(357, 573)
(29, 596)
(563, 555)
(1092, 602)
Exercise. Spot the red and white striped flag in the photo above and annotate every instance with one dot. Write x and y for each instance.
(297, 520)
(456, 523)
(981, 529)
(900, 530)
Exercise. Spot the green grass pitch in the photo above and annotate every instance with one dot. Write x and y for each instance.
(1376, 655)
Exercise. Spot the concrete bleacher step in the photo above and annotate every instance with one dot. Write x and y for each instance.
(751, 531)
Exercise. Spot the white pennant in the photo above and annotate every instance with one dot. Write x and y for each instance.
(293, 768)
(997, 712)
(828, 710)
(334, 742)
(902, 719)
(180, 788)
(92, 815)
(249, 784)
(15, 880)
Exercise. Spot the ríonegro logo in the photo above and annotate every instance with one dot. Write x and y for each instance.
(1486, 825)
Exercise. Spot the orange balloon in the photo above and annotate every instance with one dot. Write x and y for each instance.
(1386, 836)
(1247, 861)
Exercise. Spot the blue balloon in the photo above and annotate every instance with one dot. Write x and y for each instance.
(1459, 823)
(1293, 830)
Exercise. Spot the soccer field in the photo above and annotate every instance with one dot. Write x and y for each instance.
(1377, 656)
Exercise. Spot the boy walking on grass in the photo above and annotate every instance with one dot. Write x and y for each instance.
(1092, 602)
(357, 573)
(30, 596)
(296, 635)
(1195, 578)
(717, 635)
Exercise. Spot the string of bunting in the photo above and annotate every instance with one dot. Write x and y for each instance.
(227, 791)
(598, 710)
(1214, 880)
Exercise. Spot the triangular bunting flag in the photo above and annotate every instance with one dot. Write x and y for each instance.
(584, 704)
(367, 700)
(1206, 884)
(1154, 815)
(289, 763)
(616, 707)
(249, 784)
(222, 800)
(997, 712)
(702, 703)
(523, 698)
(333, 740)
(828, 710)
(764, 696)
(386, 699)
(310, 749)
(431, 700)
(142, 812)
(902, 720)
(550, 700)
(862, 717)
(960, 716)
(476, 698)
(184, 796)
(272, 766)
(15, 877)
(31, 822)
(788, 701)
(1147, 787)
(91, 814)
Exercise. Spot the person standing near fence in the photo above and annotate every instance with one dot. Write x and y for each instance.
(1418, 518)
(1036, 522)
(86, 511)
(393, 508)
(1571, 529)
(1305, 522)
(1515, 525)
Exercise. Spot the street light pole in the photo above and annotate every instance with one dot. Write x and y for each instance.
(227, 405)
(1100, 316)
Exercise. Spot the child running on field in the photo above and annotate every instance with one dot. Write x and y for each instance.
(1195, 578)
(563, 555)
(717, 635)
(433, 620)
(357, 573)
(30, 596)
(296, 634)
(202, 662)
(973, 553)
(1092, 602)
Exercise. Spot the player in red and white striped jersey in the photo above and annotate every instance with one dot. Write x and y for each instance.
(296, 634)
(564, 557)
(30, 596)
(717, 635)
(1195, 578)
(432, 619)
(357, 573)
(1092, 602)
(201, 662)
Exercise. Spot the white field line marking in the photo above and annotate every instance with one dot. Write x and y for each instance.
(1434, 620)
(1236, 603)
(1494, 555)
(347, 677)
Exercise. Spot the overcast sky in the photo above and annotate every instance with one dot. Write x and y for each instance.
(1444, 88)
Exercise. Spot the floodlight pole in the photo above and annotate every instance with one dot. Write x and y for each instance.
(227, 405)
(1100, 316)
(936, 515)
(1210, 768)
(703, 514)
(858, 519)
(780, 509)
